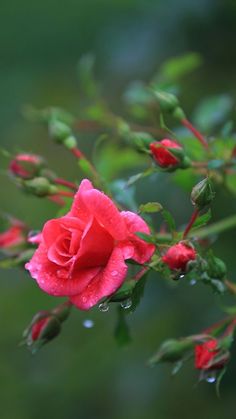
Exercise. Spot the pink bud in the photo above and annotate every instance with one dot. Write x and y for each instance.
(26, 166)
(178, 255)
(209, 357)
(162, 153)
(14, 236)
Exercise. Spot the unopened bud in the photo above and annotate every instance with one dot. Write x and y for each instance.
(45, 326)
(169, 155)
(202, 194)
(140, 140)
(167, 101)
(59, 130)
(172, 350)
(40, 186)
(209, 356)
(178, 256)
(26, 166)
(216, 268)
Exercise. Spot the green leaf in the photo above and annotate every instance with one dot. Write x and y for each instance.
(85, 70)
(178, 67)
(185, 179)
(229, 310)
(123, 195)
(137, 293)
(133, 179)
(169, 220)
(202, 220)
(150, 207)
(122, 333)
(212, 111)
(114, 160)
(137, 92)
(146, 237)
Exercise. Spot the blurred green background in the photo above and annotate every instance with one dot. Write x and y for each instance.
(83, 374)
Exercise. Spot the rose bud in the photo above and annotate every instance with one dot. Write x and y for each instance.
(168, 154)
(172, 350)
(59, 130)
(216, 268)
(14, 237)
(140, 140)
(208, 356)
(202, 194)
(26, 166)
(83, 254)
(178, 256)
(34, 237)
(40, 186)
(45, 326)
(167, 101)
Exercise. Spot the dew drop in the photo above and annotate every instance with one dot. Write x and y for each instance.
(126, 303)
(209, 377)
(114, 273)
(62, 273)
(103, 307)
(88, 324)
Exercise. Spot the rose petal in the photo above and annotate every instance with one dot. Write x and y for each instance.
(53, 228)
(79, 208)
(142, 251)
(53, 279)
(105, 212)
(104, 284)
(96, 247)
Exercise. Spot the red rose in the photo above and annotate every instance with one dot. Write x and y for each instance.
(178, 255)
(162, 154)
(26, 166)
(205, 356)
(82, 255)
(14, 236)
(39, 327)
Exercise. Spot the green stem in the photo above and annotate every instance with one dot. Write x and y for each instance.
(217, 227)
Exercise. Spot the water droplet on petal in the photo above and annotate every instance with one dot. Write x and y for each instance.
(126, 303)
(62, 273)
(114, 273)
(103, 307)
(209, 377)
(88, 324)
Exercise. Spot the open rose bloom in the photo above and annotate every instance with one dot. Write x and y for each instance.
(82, 255)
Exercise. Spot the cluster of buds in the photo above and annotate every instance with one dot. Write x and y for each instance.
(211, 353)
(169, 155)
(34, 177)
(45, 326)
